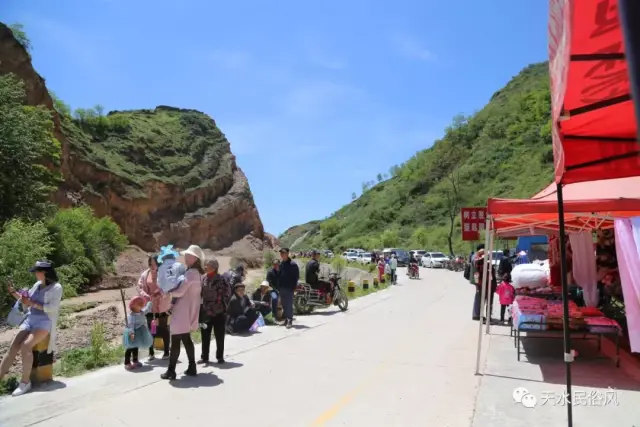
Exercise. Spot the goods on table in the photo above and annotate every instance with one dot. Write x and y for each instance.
(530, 276)
(530, 313)
(591, 312)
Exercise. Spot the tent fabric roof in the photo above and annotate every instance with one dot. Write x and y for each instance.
(586, 205)
(614, 195)
(595, 129)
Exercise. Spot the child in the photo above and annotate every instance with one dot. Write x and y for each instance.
(170, 272)
(507, 294)
(136, 335)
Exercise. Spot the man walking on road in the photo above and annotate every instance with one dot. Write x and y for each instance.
(288, 277)
(393, 265)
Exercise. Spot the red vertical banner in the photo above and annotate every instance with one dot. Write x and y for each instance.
(473, 221)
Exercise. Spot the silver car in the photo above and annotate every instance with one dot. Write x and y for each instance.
(434, 259)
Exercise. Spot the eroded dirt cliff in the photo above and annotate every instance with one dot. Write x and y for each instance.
(164, 175)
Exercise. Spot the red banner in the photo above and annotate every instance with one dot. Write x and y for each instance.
(473, 221)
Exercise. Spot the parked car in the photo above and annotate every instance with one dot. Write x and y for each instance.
(434, 259)
(327, 253)
(403, 257)
(350, 256)
(364, 258)
(418, 253)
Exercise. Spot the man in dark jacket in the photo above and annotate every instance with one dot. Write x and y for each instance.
(506, 265)
(288, 276)
(312, 276)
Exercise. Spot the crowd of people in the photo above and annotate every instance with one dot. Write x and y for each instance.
(205, 299)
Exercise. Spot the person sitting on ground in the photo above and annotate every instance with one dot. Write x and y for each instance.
(262, 299)
(43, 302)
(312, 273)
(241, 310)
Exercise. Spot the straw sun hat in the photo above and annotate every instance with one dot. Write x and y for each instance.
(196, 251)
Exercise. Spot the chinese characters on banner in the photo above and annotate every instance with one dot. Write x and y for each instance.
(473, 221)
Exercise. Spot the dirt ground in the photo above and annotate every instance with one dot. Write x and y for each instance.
(104, 302)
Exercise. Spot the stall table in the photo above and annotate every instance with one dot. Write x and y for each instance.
(534, 321)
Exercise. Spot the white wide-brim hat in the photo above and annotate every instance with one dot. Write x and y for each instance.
(265, 283)
(196, 251)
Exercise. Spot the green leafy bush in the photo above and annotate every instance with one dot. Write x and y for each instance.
(98, 355)
(81, 246)
(21, 244)
(85, 245)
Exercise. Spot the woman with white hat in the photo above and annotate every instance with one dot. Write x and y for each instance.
(185, 312)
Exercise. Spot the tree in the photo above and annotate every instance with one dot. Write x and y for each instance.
(452, 197)
(354, 196)
(420, 237)
(365, 187)
(20, 35)
(393, 170)
(330, 228)
(61, 108)
(379, 177)
(26, 142)
(99, 110)
(389, 238)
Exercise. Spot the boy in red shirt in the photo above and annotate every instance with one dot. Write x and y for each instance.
(507, 294)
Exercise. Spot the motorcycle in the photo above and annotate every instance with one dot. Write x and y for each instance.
(306, 299)
(414, 271)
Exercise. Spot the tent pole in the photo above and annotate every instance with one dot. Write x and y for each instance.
(568, 357)
(489, 294)
(629, 15)
(482, 288)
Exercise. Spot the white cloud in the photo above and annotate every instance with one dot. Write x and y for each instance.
(411, 48)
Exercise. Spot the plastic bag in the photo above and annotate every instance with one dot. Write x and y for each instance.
(257, 324)
(530, 276)
(16, 315)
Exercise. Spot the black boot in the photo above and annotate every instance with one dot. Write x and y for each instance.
(169, 375)
(191, 370)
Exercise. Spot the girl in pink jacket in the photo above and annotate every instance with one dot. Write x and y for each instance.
(507, 294)
(185, 312)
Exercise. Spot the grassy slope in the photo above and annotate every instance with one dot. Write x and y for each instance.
(505, 151)
(181, 147)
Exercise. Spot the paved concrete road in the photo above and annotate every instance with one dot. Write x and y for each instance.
(401, 357)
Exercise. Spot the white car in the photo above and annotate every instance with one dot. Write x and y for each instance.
(418, 254)
(434, 259)
(364, 258)
(350, 256)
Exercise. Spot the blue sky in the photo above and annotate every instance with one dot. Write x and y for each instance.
(315, 97)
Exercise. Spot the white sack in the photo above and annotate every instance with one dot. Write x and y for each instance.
(530, 276)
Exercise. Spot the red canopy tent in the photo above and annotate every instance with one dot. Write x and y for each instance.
(586, 205)
(595, 130)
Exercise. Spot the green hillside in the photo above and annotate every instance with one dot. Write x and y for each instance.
(171, 145)
(504, 150)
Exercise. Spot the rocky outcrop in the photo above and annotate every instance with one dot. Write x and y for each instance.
(214, 214)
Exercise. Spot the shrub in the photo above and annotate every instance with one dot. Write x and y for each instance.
(268, 257)
(87, 246)
(21, 244)
(99, 354)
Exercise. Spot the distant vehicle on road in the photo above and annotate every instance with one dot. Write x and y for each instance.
(434, 259)
(327, 253)
(417, 253)
(350, 256)
(403, 257)
(364, 258)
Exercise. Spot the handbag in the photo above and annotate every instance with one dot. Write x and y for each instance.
(16, 315)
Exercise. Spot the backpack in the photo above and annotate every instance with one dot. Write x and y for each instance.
(467, 271)
(170, 275)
